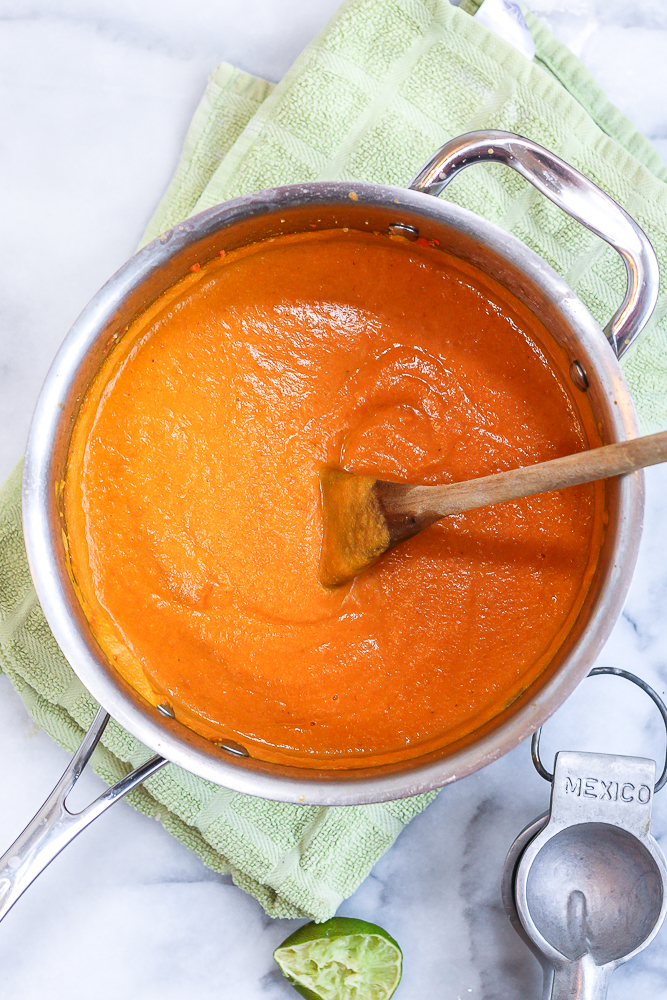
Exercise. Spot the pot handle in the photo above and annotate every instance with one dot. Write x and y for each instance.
(54, 826)
(576, 195)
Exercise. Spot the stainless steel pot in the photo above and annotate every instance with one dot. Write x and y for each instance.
(595, 369)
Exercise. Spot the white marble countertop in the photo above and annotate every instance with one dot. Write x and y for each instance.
(96, 97)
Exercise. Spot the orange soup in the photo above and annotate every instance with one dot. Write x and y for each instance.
(192, 499)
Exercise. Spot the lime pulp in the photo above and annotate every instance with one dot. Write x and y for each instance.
(342, 959)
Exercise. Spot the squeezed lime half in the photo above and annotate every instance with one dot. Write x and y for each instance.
(343, 959)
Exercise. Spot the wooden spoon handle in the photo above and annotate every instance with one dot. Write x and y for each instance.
(584, 467)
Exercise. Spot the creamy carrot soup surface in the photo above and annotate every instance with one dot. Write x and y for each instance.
(193, 513)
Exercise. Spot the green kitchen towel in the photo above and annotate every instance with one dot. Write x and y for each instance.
(386, 83)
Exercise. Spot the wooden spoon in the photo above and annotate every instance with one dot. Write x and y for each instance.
(365, 517)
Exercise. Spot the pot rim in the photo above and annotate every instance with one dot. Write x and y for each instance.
(45, 547)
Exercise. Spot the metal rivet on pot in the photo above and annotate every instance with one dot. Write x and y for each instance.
(579, 376)
(165, 709)
(403, 229)
(232, 747)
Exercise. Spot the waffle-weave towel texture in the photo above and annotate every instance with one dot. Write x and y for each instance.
(385, 84)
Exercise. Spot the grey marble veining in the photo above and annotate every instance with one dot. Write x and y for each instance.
(96, 96)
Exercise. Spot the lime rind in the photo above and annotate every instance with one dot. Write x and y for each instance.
(365, 965)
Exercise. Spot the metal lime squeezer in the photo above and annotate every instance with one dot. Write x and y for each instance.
(585, 885)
